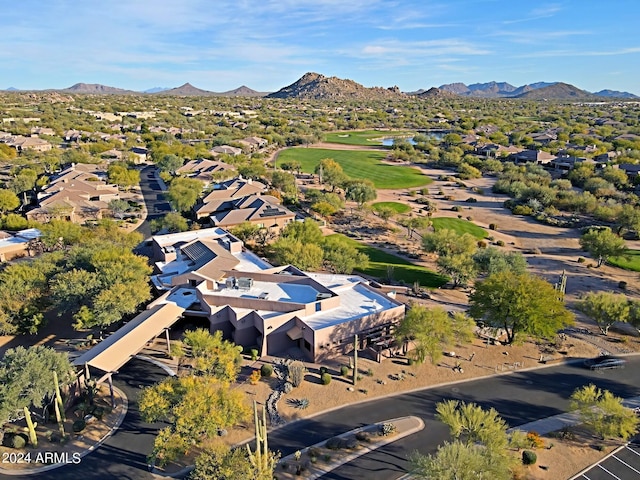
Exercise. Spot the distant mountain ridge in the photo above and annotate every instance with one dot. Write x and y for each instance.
(95, 88)
(318, 87)
(504, 89)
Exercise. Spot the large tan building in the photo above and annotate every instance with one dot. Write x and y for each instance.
(273, 309)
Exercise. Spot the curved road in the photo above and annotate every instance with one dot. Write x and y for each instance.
(123, 455)
(519, 398)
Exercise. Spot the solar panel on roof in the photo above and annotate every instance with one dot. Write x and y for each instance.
(197, 252)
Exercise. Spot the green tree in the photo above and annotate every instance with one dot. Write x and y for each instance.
(385, 212)
(170, 163)
(413, 224)
(245, 231)
(254, 169)
(480, 449)
(634, 314)
(431, 331)
(628, 219)
(305, 256)
(223, 463)
(25, 378)
(521, 304)
(183, 193)
(604, 413)
(343, 257)
(602, 244)
(196, 408)
(448, 242)
(459, 267)
(330, 173)
(492, 260)
(210, 354)
(292, 165)
(173, 222)
(306, 232)
(324, 209)
(285, 182)
(360, 191)
(8, 201)
(605, 308)
(123, 176)
(119, 207)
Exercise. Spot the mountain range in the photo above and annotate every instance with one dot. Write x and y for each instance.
(545, 90)
(317, 86)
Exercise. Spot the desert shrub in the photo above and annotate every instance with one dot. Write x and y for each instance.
(424, 191)
(349, 443)
(18, 440)
(581, 260)
(471, 200)
(78, 426)
(334, 443)
(622, 285)
(314, 452)
(448, 198)
(522, 210)
(456, 208)
(344, 371)
(296, 373)
(500, 243)
(477, 190)
(98, 412)
(470, 218)
(254, 354)
(370, 373)
(529, 457)
(535, 440)
(387, 429)
(412, 193)
(266, 370)
(363, 436)
(287, 388)
(323, 370)
(254, 378)
(493, 226)
(326, 378)
(482, 244)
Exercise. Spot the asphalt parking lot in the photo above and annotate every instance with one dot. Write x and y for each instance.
(624, 464)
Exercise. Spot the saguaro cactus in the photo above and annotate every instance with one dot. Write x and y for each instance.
(262, 460)
(33, 439)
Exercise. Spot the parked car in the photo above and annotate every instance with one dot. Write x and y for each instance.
(605, 362)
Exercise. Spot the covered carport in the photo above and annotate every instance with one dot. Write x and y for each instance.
(123, 344)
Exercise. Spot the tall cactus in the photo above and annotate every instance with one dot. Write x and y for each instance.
(33, 438)
(355, 359)
(262, 460)
(59, 416)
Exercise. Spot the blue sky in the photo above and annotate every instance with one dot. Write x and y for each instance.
(267, 44)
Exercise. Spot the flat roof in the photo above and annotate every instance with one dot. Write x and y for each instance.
(355, 302)
(171, 238)
(281, 292)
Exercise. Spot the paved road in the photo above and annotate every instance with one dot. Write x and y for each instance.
(123, 455)
(154, 199)
(519, 398)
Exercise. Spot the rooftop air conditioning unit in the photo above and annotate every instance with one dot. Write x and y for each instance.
(323, 296)
(245, 283)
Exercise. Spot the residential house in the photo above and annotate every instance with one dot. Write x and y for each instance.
(77, 194)
(631, 169)
(264, 211)
(42, 131)
(533, 156)
(21, 143)
(225, 149)
(202, 169)
(565, 163)
(253, 144)
(140, 154)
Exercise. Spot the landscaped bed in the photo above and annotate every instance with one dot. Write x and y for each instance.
(359, 164)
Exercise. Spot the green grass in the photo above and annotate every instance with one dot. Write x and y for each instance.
(371, 138)
(633, 263)
(459, 226)
(395, 206)
(403, 270)
(359, 164)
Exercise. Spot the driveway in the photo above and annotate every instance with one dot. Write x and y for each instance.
(154, 199)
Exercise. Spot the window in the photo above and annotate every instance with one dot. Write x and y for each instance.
(318, 307)
(307, 345)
